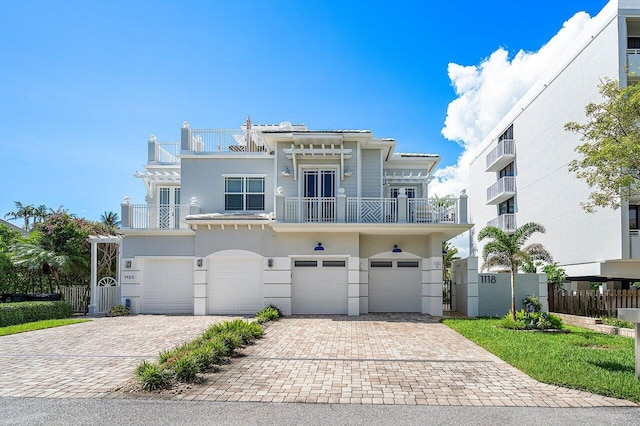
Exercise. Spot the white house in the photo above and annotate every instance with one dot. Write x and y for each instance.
(315, 222)
(522, 173)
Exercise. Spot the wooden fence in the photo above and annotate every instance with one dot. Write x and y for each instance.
(78, 296)
(590, 303)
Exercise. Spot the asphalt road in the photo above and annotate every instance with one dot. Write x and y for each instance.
(42, 411)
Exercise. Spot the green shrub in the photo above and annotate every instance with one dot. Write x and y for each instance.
(615, 322)
(532, 303)
(152, 376)
(532, 321)
(119, 311)
(24, 312)
(270, 313)
(230, 340)
(185, 368)
(248, 332)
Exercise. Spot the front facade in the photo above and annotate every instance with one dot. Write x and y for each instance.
(314, 222)
(523, 169)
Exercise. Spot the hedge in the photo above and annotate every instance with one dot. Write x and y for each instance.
(23, 312)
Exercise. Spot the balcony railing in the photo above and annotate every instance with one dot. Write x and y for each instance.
(223, 140)
(502, 190)
(370, 210)
(143, 216)
(506, 222)
(501, 155)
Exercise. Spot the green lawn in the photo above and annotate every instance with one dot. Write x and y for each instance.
(598, 363)
(38, 325)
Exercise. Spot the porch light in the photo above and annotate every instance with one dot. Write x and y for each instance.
(396, 249)
(319, 247)
(347, 172)
(199, 263)
(285, 171)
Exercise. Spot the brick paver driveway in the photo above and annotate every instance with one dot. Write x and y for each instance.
(379, 359)
(371, 359)
(90, 359)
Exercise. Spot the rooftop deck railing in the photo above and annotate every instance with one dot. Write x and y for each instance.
(224, 140)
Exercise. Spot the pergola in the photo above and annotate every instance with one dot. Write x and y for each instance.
(95, 240)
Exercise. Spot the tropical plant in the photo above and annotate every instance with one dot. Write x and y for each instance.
(555, 274)
(110, 219)
(610, 151)
(23, 211)
(507, 251)
(449, 254)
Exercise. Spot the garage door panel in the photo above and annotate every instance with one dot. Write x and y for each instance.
(167, 286)
(394, 289)
(235, 285)
(319, 290)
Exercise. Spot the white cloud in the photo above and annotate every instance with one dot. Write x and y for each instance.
(486, 92)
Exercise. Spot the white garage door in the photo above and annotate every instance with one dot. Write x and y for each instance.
(235, 285)
(319, 287)
(167, 286)
(395, 286)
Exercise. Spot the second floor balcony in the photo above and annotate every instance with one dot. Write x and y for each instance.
(505, 222)
(502, 190)
(340, 209)
(501, 155)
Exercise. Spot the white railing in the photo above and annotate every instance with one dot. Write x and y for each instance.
(505, 184)
(433, 210)
(144, 216)
(222, 140)
(505, 222)
(371, 210)
(168, 152)
(505, 147)
(310, 209)
(633, 51)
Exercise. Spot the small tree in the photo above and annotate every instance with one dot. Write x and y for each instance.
(449, 254)
(508, 251)
(555, 275)
(610, 152)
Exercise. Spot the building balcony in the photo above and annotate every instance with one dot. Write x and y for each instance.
(501, 155)
(633, 64)
(505, 222)
(160, 217)
(502, 190)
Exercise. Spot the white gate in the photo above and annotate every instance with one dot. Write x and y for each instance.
(107, 294)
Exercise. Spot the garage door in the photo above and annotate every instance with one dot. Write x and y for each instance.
(395, 286)
(319, 287)
(167, 286)
(235, 285)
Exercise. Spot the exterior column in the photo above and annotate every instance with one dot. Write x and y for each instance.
(194, 207)
(402, 206)
(200, 286)
(185, 137)
(341, 206)
(472, 287)
(462, 207)
(152, 149)
(125, 213)
(432, 277)
(279, 204)
(93, 307)
(353, 307)
(543, 291)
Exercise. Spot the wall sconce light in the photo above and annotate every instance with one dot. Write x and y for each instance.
(285, 171)
(199, 263)
(396, 249)
(347, 172)
(319, 247)
(270, 263)
(127, 264)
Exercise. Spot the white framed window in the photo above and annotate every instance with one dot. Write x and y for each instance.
(243, 193)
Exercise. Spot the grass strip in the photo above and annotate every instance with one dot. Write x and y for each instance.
(38, 325)
(580, 359)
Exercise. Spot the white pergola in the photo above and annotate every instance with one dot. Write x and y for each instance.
(95, 240)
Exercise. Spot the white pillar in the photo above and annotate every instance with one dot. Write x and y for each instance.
(93, 307)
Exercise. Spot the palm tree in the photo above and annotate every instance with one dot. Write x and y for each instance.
(110, 219)
(449, 254)
(508, 251)
(23, 211)
(40, 213)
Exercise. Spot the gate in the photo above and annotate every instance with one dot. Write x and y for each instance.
(107, 294)
(446, 295)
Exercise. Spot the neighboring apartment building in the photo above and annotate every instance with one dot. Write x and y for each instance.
(523, 168)
(314, 222)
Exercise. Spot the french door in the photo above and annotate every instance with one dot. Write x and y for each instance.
(319, 195)
(169, 211)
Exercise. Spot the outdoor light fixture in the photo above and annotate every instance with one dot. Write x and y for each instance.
(270, 263)
(199, 263)
(347, 172)
(127, 264)
(396, 249)
(319, 247)
(285, 171)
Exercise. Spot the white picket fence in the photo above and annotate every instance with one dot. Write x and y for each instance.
(78, 296)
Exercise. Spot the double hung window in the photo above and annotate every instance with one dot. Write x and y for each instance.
(244, 193)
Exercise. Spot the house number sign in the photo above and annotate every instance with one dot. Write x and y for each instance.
(487, 279)
(129, 277)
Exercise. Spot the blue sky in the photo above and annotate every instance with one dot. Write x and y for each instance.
(83, 84)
